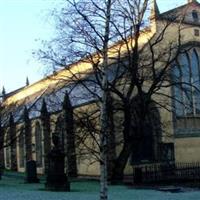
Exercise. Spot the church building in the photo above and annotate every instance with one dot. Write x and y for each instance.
(56, 105)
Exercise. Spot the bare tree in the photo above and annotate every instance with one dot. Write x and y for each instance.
(103, 111)
(138, 64)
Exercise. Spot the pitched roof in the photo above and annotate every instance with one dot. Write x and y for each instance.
(175, 12)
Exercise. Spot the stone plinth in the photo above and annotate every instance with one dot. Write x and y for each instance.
(56, 178)
(31, 172)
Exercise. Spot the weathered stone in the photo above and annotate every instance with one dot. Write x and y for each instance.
(56, 178)
(31, 172)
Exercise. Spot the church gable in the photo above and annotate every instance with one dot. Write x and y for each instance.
(188, 13)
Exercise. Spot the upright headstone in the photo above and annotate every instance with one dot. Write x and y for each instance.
(56, 178)
(31, 172)
(137, 178)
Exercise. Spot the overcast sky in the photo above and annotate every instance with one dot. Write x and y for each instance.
(22, 23)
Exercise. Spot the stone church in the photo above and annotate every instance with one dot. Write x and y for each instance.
(31, 114)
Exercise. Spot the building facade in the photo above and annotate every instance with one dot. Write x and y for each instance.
(31, 115)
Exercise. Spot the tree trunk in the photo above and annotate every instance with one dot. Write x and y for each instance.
(104, 114)
(120, 164)
(121, 160)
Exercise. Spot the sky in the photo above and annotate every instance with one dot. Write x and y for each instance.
(22, 24)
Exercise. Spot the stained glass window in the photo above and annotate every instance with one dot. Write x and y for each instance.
(38, 144)
(186, 76)
(22, 149)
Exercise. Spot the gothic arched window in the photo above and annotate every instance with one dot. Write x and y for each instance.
(186, 75)
(196, 81)
(8, 151)
(22, 149)
(38, 144)
(195, 15)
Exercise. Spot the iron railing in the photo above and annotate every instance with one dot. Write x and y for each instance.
(173, 172)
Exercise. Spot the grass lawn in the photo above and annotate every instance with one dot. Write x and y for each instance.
(14, 188)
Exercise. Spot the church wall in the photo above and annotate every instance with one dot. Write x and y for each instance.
(7, 150)
(19, 128)
(187, 149)
(87, 160)
(187, 146)
(87, 165)
(40, 169)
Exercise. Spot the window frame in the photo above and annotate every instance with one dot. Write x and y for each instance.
(38, 144)
(183, 86)
(195, 15)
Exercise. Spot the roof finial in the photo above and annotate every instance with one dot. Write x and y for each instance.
(154, 15)
(154, 10)
(3, 92)
(27, 81)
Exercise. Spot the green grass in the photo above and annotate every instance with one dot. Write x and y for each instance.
(12, 187)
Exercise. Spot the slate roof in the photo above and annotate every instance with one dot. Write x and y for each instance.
(78, 94)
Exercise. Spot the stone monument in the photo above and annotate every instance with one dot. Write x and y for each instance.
(56, 178)
(31, 172)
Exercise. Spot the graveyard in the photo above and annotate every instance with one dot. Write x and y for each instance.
(116, 115)
(13, 186)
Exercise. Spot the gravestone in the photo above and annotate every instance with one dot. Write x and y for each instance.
(31, 172)
(56, 178)
(137, 178)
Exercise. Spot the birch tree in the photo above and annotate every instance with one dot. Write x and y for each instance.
(103, 111)
(86, 31)
(89, 34)
(108, 37)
